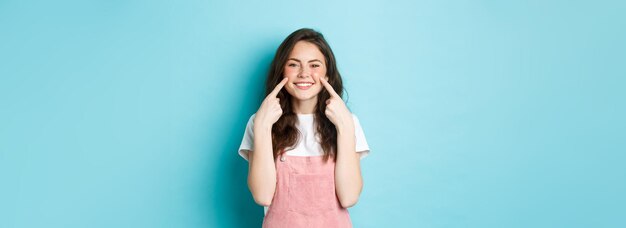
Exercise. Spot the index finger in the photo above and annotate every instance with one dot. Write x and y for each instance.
(280, 85)
(329, 87)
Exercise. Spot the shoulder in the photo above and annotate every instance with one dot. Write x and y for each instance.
(250, 123)
(251, 119)
(355, 118)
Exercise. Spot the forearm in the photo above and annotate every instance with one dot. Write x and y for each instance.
(348, 180)
(262, 169)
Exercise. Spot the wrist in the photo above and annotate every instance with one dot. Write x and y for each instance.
(262, 128)
(345, 128)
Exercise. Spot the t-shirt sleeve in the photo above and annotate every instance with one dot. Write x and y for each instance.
(361, 143)
(248, 139)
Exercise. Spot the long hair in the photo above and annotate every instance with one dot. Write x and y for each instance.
(284, 132)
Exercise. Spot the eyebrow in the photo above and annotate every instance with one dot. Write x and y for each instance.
(297, 60)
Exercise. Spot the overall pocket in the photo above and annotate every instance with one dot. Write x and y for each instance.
(312, 193)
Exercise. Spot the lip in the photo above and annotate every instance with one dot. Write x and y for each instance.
(303, 87)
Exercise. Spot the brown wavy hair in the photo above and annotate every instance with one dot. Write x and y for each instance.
(284, 132)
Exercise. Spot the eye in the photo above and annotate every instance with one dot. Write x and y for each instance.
(292, 65)
(315, 65)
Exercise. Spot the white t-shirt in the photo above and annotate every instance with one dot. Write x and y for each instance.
(307, 144)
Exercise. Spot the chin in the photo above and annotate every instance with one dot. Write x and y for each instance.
(303, 97)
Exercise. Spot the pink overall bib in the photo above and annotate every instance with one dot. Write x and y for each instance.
(305, 195)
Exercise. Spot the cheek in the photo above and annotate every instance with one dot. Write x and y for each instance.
(319, 71)
(290, 72)
(318, 88)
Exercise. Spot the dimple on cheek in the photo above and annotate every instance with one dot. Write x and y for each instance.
(316, 77)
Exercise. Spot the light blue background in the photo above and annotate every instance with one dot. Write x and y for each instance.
(478, 113)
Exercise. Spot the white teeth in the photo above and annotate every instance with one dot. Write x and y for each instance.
(304, 84)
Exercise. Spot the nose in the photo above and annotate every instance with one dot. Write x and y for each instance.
(304, 72)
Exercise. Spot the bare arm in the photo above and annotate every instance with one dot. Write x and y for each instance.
(262, 170)
(348, 179)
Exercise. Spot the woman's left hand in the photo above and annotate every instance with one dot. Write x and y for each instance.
(336, 110)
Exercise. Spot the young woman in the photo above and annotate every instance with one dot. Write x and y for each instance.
(303, 145)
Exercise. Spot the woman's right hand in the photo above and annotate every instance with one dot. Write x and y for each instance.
(270, 110)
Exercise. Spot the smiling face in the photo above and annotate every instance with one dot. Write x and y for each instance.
(305, 65)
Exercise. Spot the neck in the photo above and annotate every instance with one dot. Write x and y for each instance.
(304, 106)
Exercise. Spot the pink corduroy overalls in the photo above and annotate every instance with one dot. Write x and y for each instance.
(305, 195)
